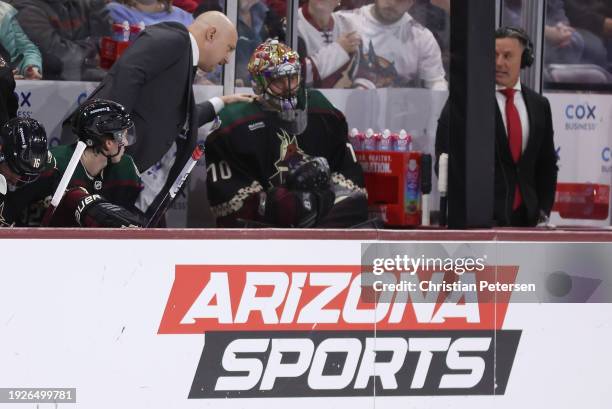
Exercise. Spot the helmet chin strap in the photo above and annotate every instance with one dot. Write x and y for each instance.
(109, 157)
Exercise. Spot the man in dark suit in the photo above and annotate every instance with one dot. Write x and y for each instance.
(525, 157)
(153, 81)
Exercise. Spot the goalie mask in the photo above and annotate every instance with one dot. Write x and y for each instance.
(275, 69)
(100, 119)
(24, 148)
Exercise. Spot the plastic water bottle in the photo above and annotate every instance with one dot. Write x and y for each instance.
(369, 142)
(385, 143)
(356, 139)
(404, 142)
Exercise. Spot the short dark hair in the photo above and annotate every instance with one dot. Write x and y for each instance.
(528, 55)
(513, 32)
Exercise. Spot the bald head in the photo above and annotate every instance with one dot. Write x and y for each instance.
(212, 18)
(216, 37)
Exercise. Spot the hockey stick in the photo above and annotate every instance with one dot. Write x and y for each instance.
(176, 186)
(63, 184)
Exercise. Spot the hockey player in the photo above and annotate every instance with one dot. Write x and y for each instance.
(105, 183)
(285, 160)
(23, 155)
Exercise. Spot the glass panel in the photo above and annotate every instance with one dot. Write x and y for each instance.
(258, 20)
(512, 12)
(80, 41)
(367, 44)
(576, 46)
(385, 65)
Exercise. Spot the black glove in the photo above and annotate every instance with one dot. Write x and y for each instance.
(311, 175)
(95, 211)
(287, 208)
(296, 208)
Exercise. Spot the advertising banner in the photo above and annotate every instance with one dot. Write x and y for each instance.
(582, 124)
(99, 323)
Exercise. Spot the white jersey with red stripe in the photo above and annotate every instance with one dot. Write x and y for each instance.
(405, 45)
(326, 60)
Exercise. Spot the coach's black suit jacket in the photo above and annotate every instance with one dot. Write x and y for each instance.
(153, 80)
(536, 170)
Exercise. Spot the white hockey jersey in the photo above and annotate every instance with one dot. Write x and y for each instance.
(405, 47)
(327, 63)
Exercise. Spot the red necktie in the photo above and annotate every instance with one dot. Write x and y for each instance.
(515, 136)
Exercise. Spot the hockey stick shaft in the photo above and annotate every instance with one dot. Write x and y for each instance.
(177, 185)
(64, 181)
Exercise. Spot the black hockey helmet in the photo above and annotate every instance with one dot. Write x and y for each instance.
(101, 119)
(24, 147)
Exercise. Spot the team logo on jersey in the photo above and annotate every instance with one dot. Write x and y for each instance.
(290, 156)
(2, 62)
(98, 185)
(377, 69)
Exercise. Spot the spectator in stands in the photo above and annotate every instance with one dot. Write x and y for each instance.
(147, 11)
(8, 100)
(207, 5)
(67, 32)
(256, 23)
(187, 5)
(435, 15)
(328, 43)
(565, 44)
(19, 45)
(594, 16)
(351, 4)
(397, 50)
(280, 6)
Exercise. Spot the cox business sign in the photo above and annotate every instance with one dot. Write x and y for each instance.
(581, 116)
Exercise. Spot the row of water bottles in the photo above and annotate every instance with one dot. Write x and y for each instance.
(381, 141)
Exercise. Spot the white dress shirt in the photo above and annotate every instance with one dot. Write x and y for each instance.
(519, 103)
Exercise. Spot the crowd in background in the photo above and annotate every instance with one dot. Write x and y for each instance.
(343, 43)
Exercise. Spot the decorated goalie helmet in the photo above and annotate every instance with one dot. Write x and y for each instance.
(275, 69)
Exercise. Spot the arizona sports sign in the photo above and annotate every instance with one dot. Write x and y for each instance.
(307, 330)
